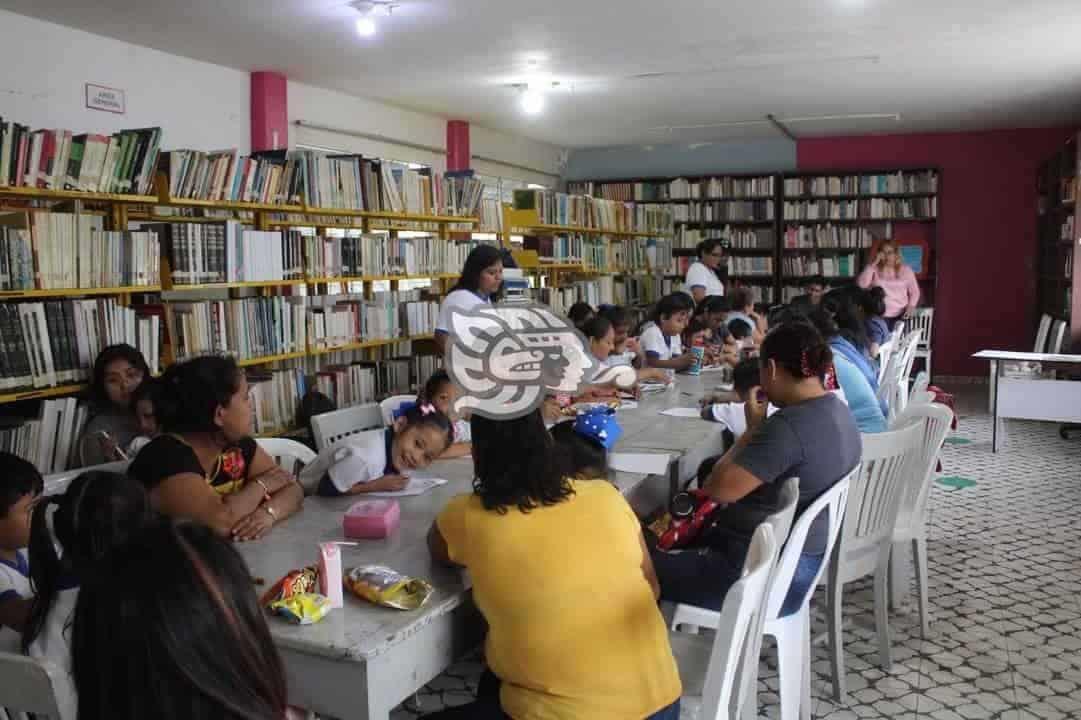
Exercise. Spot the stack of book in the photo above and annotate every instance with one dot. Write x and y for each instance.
(554, 208)
(461, 196)
(737, 187)
(49, 441)
(718, 211)
(869, 209)
(44, 344)
(269, 177)
(416, 255)
(829, 236)
(419, 317)
(752, 265)
(275, 397)
(897, 183)
(204, 253)
(50, 250)
(730, 237)
(408, 190)
(347, 385)
(60, 160)
(246, 328)
(341, 182)
(335, 320)
(330, 256)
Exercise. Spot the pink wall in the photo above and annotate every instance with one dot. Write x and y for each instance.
(986, 242)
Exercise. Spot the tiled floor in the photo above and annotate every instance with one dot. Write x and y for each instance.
(1005, 577)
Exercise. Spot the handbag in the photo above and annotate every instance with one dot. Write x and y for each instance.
(708, 523)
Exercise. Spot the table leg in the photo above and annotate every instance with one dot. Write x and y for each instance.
(994, 406)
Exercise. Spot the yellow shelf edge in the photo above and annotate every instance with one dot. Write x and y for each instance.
(170, 201)
(76, 292)
(377, 278)
(244, 284)
(42, 393)
(270, 358)
(43, 194)
(367, 344)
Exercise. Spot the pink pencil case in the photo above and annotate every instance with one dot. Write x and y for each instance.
(371, 519)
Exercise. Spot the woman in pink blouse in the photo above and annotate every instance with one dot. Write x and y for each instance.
(888, 272)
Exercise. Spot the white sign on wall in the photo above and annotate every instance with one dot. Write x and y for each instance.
(99, 97)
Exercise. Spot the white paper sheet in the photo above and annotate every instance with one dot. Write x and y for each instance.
(682, 412)
(649, 463)
(416, 486)
(627, 405)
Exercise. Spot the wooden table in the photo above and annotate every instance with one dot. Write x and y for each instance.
(363, 660)
(1055, 400)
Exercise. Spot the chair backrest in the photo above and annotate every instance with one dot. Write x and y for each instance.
(739, 634)
(781, 521)
(57, 483)
(922, 319)
(29, 686)
(885, 352)
(935, 420)
(1058, 334)
(874, 498)
(895, 391)
(290, 455)
(1041, 333)
(329, 428)
(833, 502)
(392, 403)
(919, 385)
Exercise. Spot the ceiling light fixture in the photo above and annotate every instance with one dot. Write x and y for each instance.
(532, 101)
(365, 24)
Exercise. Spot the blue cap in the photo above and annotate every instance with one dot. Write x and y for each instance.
(600, 425)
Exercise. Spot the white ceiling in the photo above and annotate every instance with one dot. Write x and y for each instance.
(941, 65)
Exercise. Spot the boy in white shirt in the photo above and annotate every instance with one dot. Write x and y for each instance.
(661, 342)
(20, 487)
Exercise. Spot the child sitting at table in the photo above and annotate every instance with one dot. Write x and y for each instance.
(20, 488)
(377, 460)
(144, 402)
(601, 336)
(580, 313)
(661, 339)
(442, 393)
(741, 334)
(585, 442)
(731, 414)
(721, 347)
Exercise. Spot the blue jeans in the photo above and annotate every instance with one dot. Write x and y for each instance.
(669, 713)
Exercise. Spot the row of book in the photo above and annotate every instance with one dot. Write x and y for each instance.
(639, 254)
(226, 176)
(203, 253)
(600, 291)
(121, 163)
(730, 237)
(759, 293)
(677, 189)
(356, 255)
(569, 248)
(337, 320)
(246, 328)
(750, 265)
(717, 211)
(45, 344)
(828, 236)
(828, 266)
(583, 211)
(898, 183)
(49, 440)
(871, 209)
(275, 397)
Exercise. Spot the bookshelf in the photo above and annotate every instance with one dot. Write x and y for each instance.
(1059, 234)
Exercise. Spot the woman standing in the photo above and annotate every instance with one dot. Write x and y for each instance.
(480, 283)
(888, 272)
(702, 279)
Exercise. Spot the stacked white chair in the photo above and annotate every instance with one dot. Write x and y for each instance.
(923, 320)
(28, 688)
(389, 406)
(56, 483)
(332, 427)
(290, 455)
(866, 539)
(895, 388)
(910, 530)
(919, 385)
(710, 670)
(1042, 333)
(1057, 337)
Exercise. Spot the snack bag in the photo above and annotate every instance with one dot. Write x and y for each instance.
(296, 582)
(303, 608)
(386, 587)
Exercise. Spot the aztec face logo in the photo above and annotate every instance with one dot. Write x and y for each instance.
(506, 359)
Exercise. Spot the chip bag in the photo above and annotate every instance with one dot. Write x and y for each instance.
(296, 582)
(302, 608)
(386, 587)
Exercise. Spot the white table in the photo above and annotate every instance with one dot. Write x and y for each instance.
(363, 660)
(1054, 400)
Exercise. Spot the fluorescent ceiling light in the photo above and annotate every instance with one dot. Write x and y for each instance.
(532, 101)
(366, 26)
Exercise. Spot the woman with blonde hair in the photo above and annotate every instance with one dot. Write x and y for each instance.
(887, 271)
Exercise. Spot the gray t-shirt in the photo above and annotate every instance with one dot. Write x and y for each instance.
(816, 441)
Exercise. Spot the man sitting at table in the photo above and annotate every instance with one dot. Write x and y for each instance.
(813, 437)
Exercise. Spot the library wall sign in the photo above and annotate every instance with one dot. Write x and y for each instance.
(107, 99)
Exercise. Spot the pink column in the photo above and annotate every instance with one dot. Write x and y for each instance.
(269, 112)
(458, 155)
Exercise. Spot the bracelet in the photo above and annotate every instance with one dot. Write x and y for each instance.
(266, 490)
(271, 511)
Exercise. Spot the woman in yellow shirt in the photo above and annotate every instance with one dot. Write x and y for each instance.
(562, 575)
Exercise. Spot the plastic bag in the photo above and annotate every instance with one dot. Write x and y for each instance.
(302, 609)
(386, 587)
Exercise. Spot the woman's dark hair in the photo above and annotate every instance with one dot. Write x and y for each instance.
(873, 301)
(97, 512)
(823, 322)
(671, 304)
(193, 390)
(844, 304)
(98, 396)
(739, 329)
(578, 454)
(479, 259)
(596, 327)
(186, 638)
(617, 315)
(707, 246)
(435, 383)
(713, 304)
(741, 298)
(425, 415)
(798, 348)
(580, 312)
(515, 465)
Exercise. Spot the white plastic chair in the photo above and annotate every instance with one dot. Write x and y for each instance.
(721, 662)
(290, 455)
(28, 687)
(885, 352)
(329, 428)
(57, 483)
(1058, 335)
(911, 527)
(391, 404)
(895, 389)
(866, 537)
(919, 386)
(923, 320)
(1041, 334)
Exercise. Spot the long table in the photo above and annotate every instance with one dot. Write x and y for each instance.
(363, 660)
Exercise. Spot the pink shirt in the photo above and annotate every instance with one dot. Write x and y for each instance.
(902, 290)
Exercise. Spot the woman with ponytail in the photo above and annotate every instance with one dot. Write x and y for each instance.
(97, 512)
(205, 465)
(812, 437)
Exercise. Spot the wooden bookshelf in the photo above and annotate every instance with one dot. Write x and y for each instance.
(77, 292)
(30, 193)
(39, 393)
(1059, 237)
